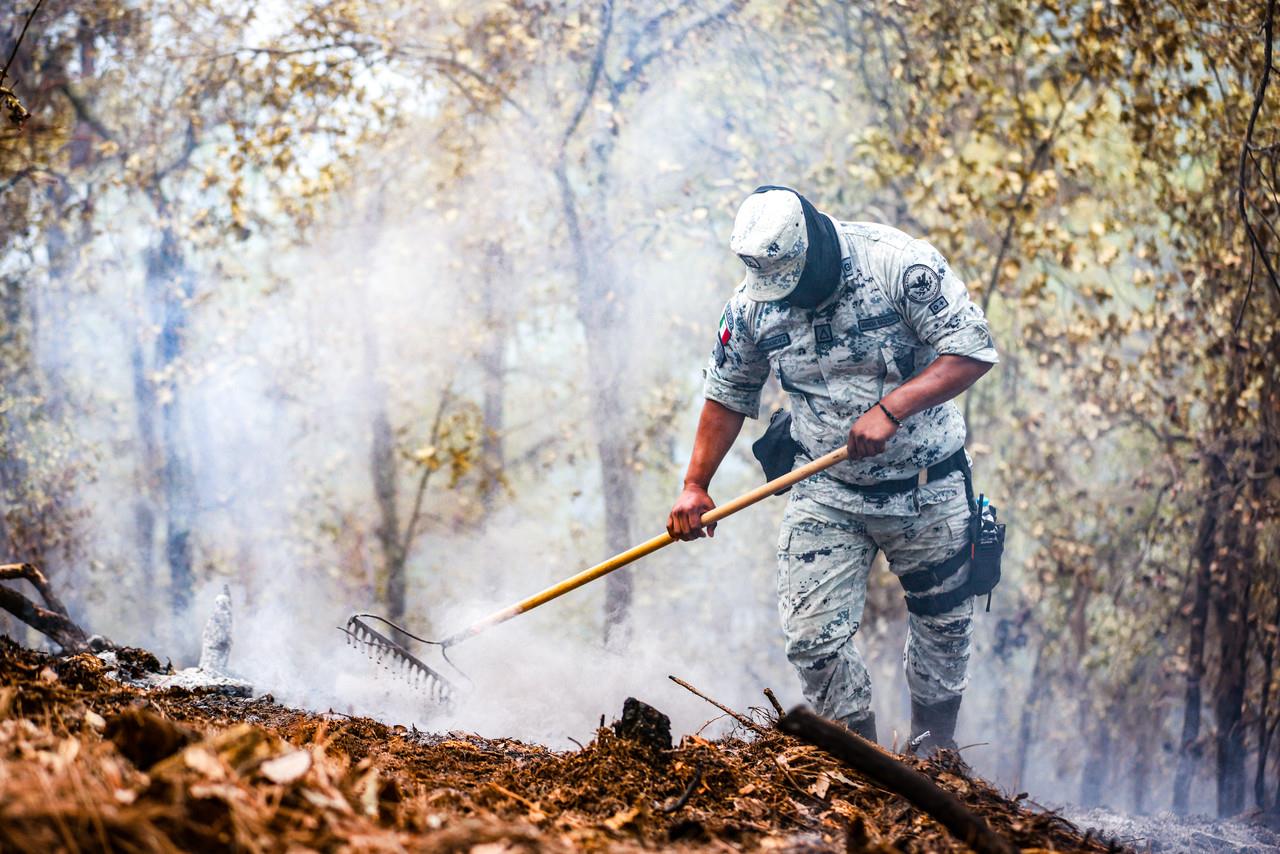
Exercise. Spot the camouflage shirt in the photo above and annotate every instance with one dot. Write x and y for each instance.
(898, 307)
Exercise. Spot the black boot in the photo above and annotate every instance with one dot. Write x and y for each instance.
(939, 720)
(864, 725)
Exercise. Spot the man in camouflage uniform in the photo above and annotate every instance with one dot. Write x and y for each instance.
(871, 334)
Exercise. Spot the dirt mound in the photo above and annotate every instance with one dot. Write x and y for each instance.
(87, 762)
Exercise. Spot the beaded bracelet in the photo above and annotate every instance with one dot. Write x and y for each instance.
(886, 411)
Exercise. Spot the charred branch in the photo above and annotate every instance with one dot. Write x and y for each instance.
(894, 775)
(53, 621)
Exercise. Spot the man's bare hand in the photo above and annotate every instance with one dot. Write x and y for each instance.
(685, 521)
(868, 435)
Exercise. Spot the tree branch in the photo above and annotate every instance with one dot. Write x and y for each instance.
(638, 67)
(1268, 34)
(85, 114)
(53, 622)
(411, 528)
(450, 64)
(593, 76)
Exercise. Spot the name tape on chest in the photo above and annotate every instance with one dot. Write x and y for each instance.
(868, 324)
(775, 342)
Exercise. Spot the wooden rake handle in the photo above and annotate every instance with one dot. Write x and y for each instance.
(648, 547)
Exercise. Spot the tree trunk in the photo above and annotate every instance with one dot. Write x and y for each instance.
(1229, 701)
(16, 367)
(1097, 763)
(492, 363)
(48, 323)
(1268, 448)
(144, 510)
(1092, 727)
(382, 467)
(1264, 711)
(1027, 719)
(619, 493)
(1231, 610)
(1189, 749)
(1140, 779)
(602, 308)
(601, 311)
(169, 285)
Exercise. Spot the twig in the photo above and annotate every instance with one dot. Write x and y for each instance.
(4, 72)
(857, 753)
(773, 701)
(688, 792)
(740, 718)
(446, 399)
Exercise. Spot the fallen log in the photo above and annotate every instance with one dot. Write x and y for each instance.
(897, 777)
(54, 622)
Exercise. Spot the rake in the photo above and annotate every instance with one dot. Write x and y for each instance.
(392, 655)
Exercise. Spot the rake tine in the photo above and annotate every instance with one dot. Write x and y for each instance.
(397, 660)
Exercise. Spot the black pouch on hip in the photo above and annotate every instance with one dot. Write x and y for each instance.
(987, 538)
(776, 450)
(986, 542)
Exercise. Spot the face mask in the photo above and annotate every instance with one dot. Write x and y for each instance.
(821, 274)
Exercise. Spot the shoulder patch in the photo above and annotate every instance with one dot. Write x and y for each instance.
(867, 324)
(921, 283)
(938, 305)
(775, 342)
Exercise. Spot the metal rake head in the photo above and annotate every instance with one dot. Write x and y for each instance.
(394, 657)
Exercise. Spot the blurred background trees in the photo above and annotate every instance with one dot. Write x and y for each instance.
(363, 304)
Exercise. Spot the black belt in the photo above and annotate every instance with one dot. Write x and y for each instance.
(937, 471)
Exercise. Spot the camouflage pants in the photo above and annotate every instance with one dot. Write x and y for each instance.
(824, 555)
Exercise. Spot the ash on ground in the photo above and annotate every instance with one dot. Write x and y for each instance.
(210, 674)
(1165, 831)
(189, 678)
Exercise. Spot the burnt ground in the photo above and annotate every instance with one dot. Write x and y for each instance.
(1167, 833)
(90, 763)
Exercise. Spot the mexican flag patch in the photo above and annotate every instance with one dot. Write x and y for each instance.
(722, 338)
